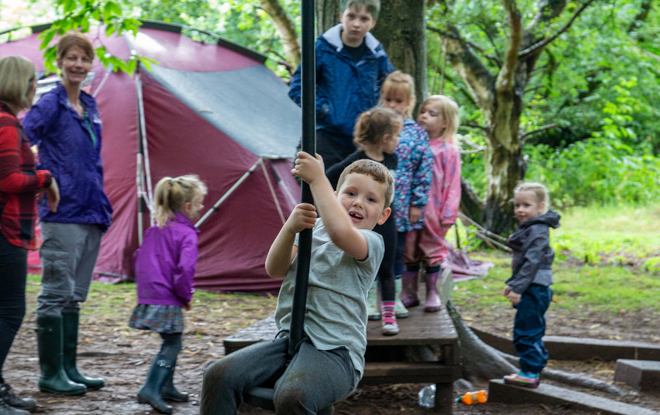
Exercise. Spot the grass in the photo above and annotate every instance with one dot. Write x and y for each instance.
(619, 243)
(604, 262)
(117, 300)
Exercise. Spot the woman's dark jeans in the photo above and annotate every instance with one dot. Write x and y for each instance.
(13, 272)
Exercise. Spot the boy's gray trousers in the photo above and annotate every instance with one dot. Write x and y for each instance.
(312, 381)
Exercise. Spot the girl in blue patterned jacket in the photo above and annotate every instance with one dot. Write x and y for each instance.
(414, 172)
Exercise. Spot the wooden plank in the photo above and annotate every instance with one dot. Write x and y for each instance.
(420, 328)
(381, 369)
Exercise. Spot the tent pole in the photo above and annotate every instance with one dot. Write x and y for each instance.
(139, 168)
(144, 143)
(272, 192)
(308, 104)
(139, 197)
(229, 192)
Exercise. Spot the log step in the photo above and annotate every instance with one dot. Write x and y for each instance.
(498, 391)
(640, 374)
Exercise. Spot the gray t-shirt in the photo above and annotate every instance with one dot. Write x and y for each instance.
(336, 314)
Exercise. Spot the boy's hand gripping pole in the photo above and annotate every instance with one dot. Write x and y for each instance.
(308, 104)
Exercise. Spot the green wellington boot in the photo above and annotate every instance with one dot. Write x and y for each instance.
(70, 323)
(169, 392)
(400, 309)
(373, 311)
(151, 391)
(53, 377)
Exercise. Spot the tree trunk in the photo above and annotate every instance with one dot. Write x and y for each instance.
(480, 361)
(327, 14)
(401, 28)
(285, 29)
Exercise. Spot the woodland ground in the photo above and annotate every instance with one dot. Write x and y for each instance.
(604, 299)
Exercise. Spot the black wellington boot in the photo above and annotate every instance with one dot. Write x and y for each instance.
(70, 323)
(150, 392)
(53, 377)
(6, 409)
(170, 393)
(12, 400)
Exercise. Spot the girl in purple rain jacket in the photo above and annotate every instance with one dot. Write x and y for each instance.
(164, 270)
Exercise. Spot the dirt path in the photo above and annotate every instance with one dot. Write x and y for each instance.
(108, 348)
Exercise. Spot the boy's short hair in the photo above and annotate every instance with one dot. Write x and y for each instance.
(17, 75)
(376, 171)
(372, 6)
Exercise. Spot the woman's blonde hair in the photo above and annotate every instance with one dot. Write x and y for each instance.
(374, 124)
(173, 193)
(449, 110)
(17, 76)
(539, 190)
(399, 83)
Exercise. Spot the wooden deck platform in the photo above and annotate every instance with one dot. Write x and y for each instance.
(387, 356)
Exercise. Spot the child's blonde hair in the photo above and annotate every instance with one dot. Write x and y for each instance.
(374, 124)
(376, 171)
(173, 193)
(399, 83)
(449, 110)
(539, 190)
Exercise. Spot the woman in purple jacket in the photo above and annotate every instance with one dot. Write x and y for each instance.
(164, 269)
(65, 125)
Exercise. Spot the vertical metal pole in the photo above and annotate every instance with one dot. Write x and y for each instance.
(308, 104)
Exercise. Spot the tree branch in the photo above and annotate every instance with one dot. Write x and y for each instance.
(538, 46)
(285, 29)
(475, 74)
(538, 130)
(473, 45)
(505, 78)
(460, 87)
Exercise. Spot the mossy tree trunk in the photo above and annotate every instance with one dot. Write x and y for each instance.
(500, 97)
(327, 14)
(401, 28)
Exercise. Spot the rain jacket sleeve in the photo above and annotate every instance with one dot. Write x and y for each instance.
(185, 270)
(533, 250)
(422, 174)
(42, 115)
(295, 87)
(452, 190)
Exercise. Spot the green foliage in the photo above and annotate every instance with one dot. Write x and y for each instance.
(240, 21)
(598, 170)
(79, 15)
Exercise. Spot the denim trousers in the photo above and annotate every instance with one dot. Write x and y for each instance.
(529, 328)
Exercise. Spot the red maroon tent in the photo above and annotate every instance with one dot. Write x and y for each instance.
(211, 109)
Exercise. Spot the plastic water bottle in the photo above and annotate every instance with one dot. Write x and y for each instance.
(473, 397)
(427, 396)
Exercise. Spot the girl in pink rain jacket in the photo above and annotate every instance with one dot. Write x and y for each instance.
(439, 117)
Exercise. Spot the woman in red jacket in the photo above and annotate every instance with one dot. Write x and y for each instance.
(19, 184)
